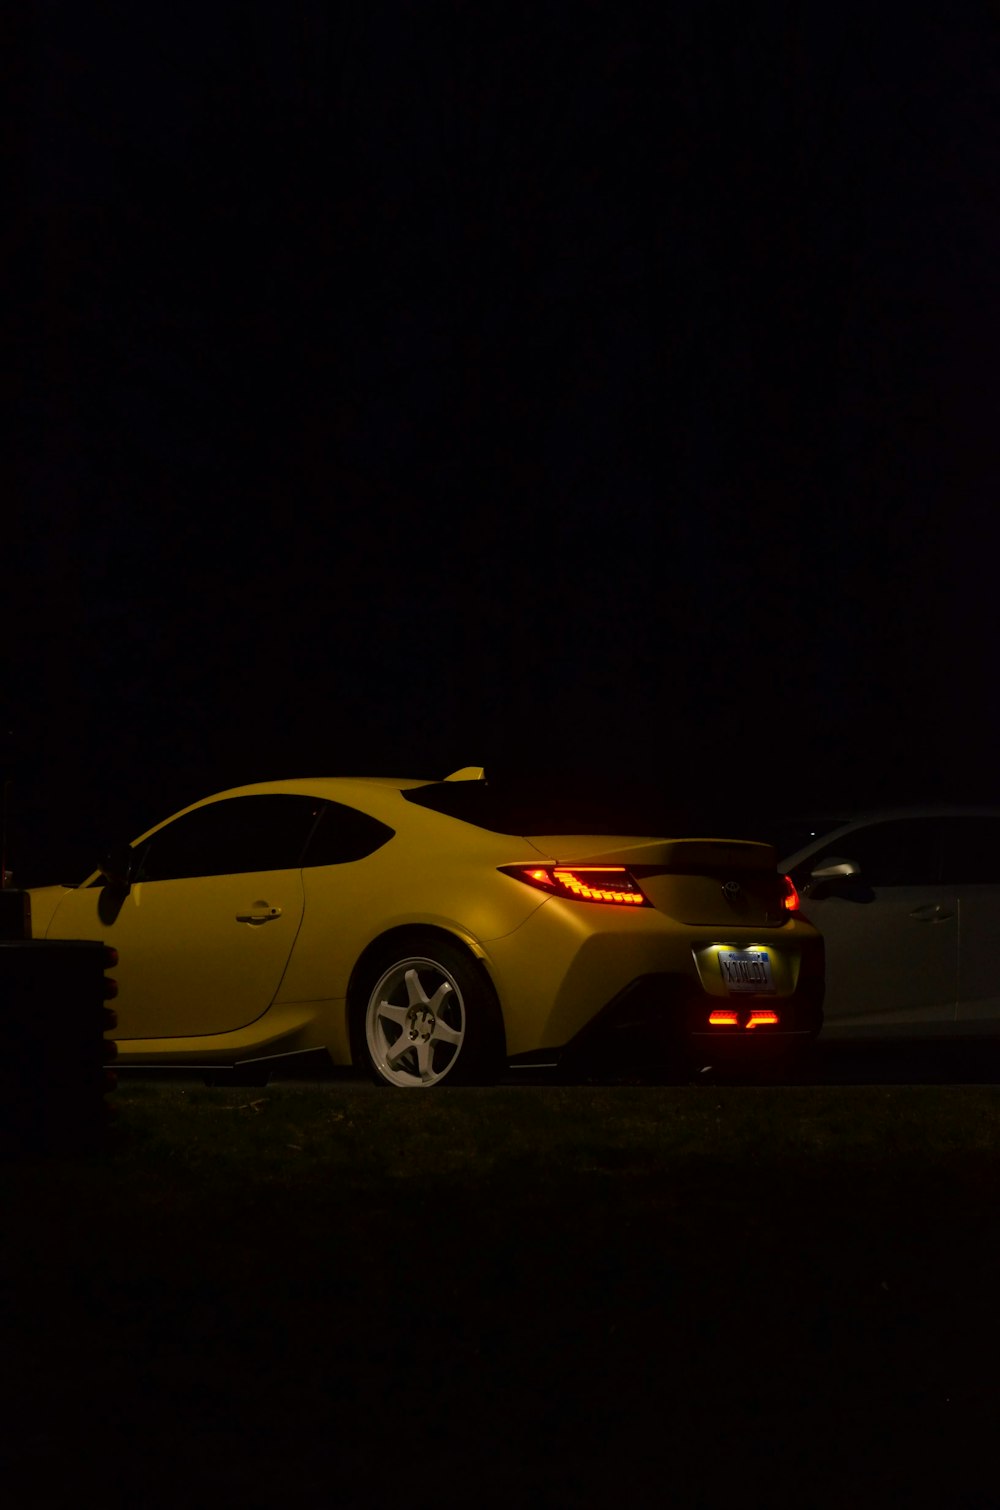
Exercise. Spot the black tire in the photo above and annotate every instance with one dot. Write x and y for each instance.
(426, 1015)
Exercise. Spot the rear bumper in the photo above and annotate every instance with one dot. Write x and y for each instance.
(657, 1018)
(571, 964)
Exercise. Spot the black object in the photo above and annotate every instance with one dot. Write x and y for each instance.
(53, 1069)
(15, 914)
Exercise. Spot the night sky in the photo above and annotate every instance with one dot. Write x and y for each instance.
(606, 391)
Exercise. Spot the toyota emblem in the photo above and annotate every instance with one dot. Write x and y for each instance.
(731, 890)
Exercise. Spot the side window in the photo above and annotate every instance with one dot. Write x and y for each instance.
(900, 852)
(231, 837)
(343, 834)
(972, 851)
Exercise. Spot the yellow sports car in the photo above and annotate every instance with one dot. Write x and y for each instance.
(435, 934)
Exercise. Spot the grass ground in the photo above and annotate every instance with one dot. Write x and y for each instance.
(536, 1295)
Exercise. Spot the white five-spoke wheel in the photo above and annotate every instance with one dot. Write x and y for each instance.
(431, 1016)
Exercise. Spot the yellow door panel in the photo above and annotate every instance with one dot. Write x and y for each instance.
(200, 955)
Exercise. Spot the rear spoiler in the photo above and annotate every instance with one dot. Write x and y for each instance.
(685, 856)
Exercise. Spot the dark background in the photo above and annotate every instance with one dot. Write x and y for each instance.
(602, 391)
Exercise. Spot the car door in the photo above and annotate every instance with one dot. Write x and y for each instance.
(972, 862)
(207, 926)
(891, 932)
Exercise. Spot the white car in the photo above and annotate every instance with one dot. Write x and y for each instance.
(908, 902)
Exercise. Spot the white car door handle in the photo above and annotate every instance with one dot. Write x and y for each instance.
(932, 913)
(262, 912)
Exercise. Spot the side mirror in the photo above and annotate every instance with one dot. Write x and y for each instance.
(835, 869)
(116, 867)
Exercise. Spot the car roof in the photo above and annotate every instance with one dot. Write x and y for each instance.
(345, 789)
(314, 786)
(829, 830)
(884, 814)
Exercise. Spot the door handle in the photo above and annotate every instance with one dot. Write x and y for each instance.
(932, 913)
(261, 912)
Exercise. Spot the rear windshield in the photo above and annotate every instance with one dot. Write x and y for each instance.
(568, 807)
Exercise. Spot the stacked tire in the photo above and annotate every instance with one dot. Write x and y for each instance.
(54, 1069)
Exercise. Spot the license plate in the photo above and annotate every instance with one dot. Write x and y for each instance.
(746, 971)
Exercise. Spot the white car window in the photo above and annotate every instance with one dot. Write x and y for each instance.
(972, 851)
(897, 852)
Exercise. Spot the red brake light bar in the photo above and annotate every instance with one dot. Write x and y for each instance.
(583, 883)
(755, 1017)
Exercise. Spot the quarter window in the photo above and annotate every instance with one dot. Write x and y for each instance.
(343, 834)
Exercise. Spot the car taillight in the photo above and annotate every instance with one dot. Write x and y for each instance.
(790, 897)
(583, 883)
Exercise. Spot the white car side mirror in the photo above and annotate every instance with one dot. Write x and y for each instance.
(834, 869)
